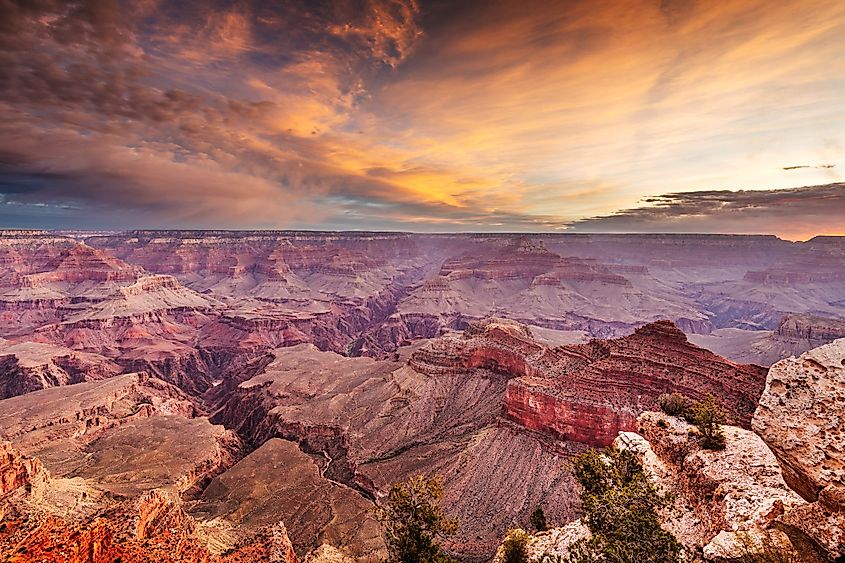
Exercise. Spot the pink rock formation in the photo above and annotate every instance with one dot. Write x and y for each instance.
(588, 393)
(723, 499)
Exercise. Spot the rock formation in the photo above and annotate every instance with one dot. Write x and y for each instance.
(588, 393)
(41, 527)
(782, 489)
(174, 368)
(725, 500)
(795, 335)
(18, 471)
(30, 366)
(800, 417)
(119, 458)
(553, 543)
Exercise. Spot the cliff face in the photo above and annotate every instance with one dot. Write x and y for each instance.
(800, 417)
(30, 366)
(725, 499)
(817, 330)
(17, 470)
(588, 393)
(111, 510)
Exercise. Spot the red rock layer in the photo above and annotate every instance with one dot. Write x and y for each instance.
(18, 471)
(34, 537)
(150, 528)
(590, 392)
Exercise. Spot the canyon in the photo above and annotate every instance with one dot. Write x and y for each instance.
(248, 396)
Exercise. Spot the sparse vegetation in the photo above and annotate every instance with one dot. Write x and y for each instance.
(621, 506)
(708, 418)
(538, 519)
(414, 523)
(673, 404)
(515, 546)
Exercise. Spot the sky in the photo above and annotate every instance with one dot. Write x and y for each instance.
(416, 115)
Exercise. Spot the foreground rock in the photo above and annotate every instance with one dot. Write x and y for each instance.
(726, 501)
(551, 545)
(800, 416)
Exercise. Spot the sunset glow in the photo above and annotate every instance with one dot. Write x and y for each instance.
(421, 116)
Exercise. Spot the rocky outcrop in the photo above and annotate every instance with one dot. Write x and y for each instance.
(551, 545)
(157, 512)
(70, 519)
(724, 500)
(18, 470)
(30, 366)
(589, 392)
(800, 417)
(153, 528)
(498, 345)
(818, 330)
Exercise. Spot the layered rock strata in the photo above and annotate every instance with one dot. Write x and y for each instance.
(43, 527)
(588, 393)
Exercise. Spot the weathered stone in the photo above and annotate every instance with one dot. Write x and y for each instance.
(801, 416)
(725, 500)
(554, 543)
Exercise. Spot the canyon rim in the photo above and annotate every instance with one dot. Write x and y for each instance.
(422, 281)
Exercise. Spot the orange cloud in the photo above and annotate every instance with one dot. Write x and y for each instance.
(390, 111)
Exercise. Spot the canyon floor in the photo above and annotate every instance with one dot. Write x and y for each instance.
(248, 396)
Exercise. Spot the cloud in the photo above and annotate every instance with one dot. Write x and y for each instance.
(431, 115)
(800, 166)
(796, 213)
(94, 117)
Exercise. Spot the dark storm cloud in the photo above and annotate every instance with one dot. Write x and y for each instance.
(100, 112)
(796, 213)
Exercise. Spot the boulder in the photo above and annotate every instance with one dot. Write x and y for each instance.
(801, 416)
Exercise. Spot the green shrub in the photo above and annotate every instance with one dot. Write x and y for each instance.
(515, 546)
(414, 523)
(538, 520)
(708, 418)
(620, 506)
(673, 404)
